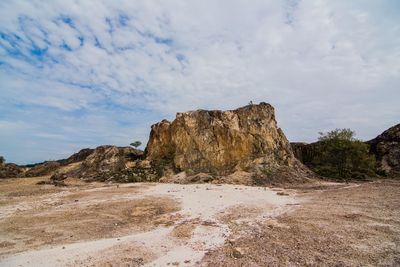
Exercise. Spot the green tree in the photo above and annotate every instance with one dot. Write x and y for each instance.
(2, 160)
(338, 134)
(136, 144)
(340, 155)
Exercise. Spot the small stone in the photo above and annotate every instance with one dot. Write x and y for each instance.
(237, 253)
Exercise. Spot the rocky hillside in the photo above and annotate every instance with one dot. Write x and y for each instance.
(386, 148)
(11, 170)
(220, 143)
(42, 169)
(100, 164)
(243, 145)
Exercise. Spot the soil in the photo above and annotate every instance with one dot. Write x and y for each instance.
(152, 224)
(353, 225)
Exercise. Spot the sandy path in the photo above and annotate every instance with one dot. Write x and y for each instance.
(202, 207)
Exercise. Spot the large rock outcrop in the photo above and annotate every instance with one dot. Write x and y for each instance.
(236, 146)
(223, 142)
(386, 148)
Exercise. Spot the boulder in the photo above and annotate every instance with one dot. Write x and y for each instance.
(223, 142)
(386, 148)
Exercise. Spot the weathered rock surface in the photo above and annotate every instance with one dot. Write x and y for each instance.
(79, 156)
(104, 163)
(224, 142)
(386, 148)
(10, 170)
(305, 152)
(45, 168)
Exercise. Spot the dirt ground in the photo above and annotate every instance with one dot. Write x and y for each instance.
(97, 224)
(355, 225)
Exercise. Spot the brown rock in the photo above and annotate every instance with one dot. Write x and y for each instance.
(305, 152)
(45, 168)
(386, 148)
(222, 142)
(103, 163)
(79, 156)
(10, 170)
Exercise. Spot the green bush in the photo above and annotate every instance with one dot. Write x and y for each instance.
(2, 160)
(339, 155)
(136, 144)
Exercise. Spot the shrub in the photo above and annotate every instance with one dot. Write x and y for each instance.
(339, 155)
(136, 144)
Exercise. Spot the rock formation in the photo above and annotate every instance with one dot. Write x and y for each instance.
(79, 156)
(42, 169)
(106, 163)
(236, 146)
(10, 170)
(305, 152)
(386, 148)
(223, 142)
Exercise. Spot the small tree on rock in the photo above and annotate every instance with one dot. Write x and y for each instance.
(2, 160)
(136, 144)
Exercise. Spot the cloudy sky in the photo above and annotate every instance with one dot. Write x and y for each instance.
(77, 74)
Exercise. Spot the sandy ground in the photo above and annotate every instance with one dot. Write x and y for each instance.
(127, 225)
(96, 224)
(339, 225)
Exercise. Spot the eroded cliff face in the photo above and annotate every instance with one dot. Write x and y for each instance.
(222, 142)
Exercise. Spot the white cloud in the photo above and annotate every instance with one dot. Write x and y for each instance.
(323, 64)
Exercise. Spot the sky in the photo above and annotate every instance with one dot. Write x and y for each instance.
(76, 74)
